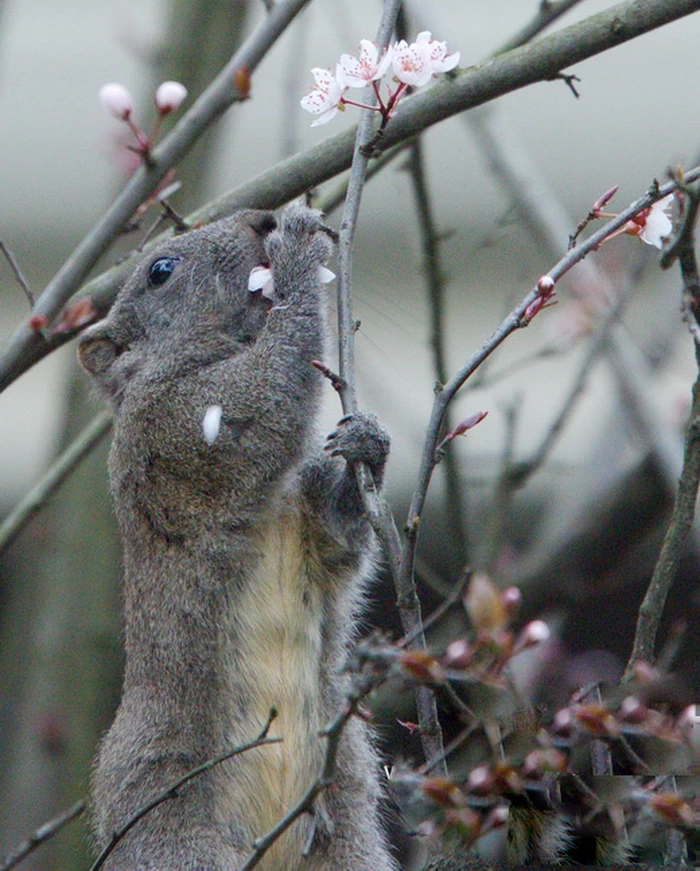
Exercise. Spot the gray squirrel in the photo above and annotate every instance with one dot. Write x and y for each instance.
(246, 554)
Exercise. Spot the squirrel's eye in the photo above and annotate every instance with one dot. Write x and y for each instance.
(161, 270)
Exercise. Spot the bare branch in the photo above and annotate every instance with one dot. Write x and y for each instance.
(171, 791)
(510, 324)
(456, 93)
(435, 285)
(547, 14)
(683, 513)
(14, 266)
(41, 835)
(35, 500)
(371, 666)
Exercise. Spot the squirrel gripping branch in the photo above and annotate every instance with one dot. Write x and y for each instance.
(246, 554)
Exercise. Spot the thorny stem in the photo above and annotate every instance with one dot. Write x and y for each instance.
(171, 791)
(683, 513)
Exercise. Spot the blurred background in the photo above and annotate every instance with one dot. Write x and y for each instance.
(507, 185)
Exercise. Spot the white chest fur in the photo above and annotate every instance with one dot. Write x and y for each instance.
(279, 617)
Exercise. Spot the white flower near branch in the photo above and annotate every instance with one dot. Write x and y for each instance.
(656, 224)
(326, 98)
(357, 72)
(436, 53)
(413, 65)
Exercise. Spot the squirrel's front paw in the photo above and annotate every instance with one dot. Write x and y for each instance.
(298, 247)
(360, 438)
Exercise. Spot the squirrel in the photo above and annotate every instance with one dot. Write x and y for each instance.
(246, 556)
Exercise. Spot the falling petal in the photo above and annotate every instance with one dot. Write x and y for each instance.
(211, 423)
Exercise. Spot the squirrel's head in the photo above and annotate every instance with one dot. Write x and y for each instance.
(186, 303)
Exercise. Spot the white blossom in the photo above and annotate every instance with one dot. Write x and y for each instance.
(360, 71)
(325, 99)
(436, 53)
(411, 64)
(657, 224)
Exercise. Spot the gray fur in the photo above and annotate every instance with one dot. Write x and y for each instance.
(244, 559)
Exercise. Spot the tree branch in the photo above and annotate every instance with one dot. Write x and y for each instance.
(171, 791)
(547, 14)
(231, 85)
(41, 835)
(510, 324)
(535, 62)
(35, 500)
(683, 513)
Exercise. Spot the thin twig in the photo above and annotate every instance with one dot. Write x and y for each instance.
(37, 497)
(377, 510)
(372, 670)
(42, 835)
(522, 471)
(453, 94)
(601, 757)
(14, 266)
(231, 85)
(171, 791)
(547, 14)
(510, 324)
(683, 513)
(449, 602)
(435, 285)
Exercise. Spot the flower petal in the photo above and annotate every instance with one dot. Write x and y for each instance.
(211, 423)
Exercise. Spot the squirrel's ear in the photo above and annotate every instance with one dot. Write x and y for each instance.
(96, 350)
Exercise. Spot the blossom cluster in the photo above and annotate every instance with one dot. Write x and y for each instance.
(413, 65)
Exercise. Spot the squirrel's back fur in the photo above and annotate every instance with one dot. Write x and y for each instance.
(245, 558)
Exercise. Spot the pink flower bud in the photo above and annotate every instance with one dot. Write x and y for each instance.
(117, 100)
(169, 96)
(495, 818)
(563, 722)
(536, 632)
(632, 710)
(604, 199)
(458, 655)
(511, 598)
(545, 285)
(480, 781)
